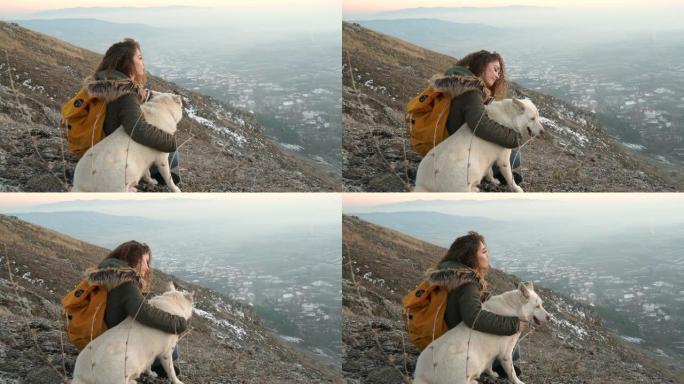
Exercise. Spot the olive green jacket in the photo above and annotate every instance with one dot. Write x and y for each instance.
(123, 98)
(464, 300)
(125, 299)
(468, 95)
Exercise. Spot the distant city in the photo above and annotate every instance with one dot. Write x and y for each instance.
(296, 100)
(639, 99)
(299, 300)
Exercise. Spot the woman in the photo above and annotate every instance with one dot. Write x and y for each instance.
(463, 270)
(126, 274)
(476, 80)
(120, 81)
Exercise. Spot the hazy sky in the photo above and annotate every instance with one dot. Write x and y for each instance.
(360, 6)
(40, 5)
(326, 203)
(360, 200)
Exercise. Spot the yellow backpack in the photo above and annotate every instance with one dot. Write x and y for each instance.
(424, 309)
(427, 115)
(83, 117)
(84, 309)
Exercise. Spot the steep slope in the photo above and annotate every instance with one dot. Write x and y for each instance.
(380, 265)
(227, 342)
(381, 73)
(221, 148)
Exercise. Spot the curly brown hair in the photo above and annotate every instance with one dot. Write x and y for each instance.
(120, 57)
(464, 250)
(132, 253)
(476, 62)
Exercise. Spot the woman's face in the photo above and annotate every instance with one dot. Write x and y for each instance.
(144, 266)
(138, 65)
(491, 73)
(482, 258)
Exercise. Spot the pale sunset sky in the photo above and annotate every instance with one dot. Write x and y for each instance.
(365, 6)
(10, 201)
(360, 200)
(42, 5)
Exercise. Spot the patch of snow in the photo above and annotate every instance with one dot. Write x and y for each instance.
(27, 84)
(292, 147)
(663, 160)
(27, 276)
(579, 138)
(191, 111)
(636, 147)
(369, 276)
(291, 339)
(238, 331)
(580, 332)
(633, 340)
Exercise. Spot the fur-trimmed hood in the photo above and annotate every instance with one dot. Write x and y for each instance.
(453, 275)
(109, 85)
(459, 80)
(111, 273)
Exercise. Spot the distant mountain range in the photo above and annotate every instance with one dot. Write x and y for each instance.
(429, 29)
(88, 32)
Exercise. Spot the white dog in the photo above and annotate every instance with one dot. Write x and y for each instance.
(459, 163)
(462, 354)
(123, 352)
(117, 163)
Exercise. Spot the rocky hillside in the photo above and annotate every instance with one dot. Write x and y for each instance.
(381, 265)
(226, 344)
(381, 73)
(223, 149)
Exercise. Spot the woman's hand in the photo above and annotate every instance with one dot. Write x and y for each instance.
(523, 326)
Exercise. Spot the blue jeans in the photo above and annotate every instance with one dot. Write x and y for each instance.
(516, 159)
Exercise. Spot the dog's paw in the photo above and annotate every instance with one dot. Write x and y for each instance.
(517, 189)
(174, 188)
(491, 373)
(149, 372)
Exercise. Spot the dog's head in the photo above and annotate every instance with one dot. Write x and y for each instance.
(532, 309)
(170, 102)
(182, 301)
(527, 117)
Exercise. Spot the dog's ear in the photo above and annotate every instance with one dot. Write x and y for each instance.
(518, 103)
(530, 285)
(524, 290)
(178, 99)
(170, 286)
